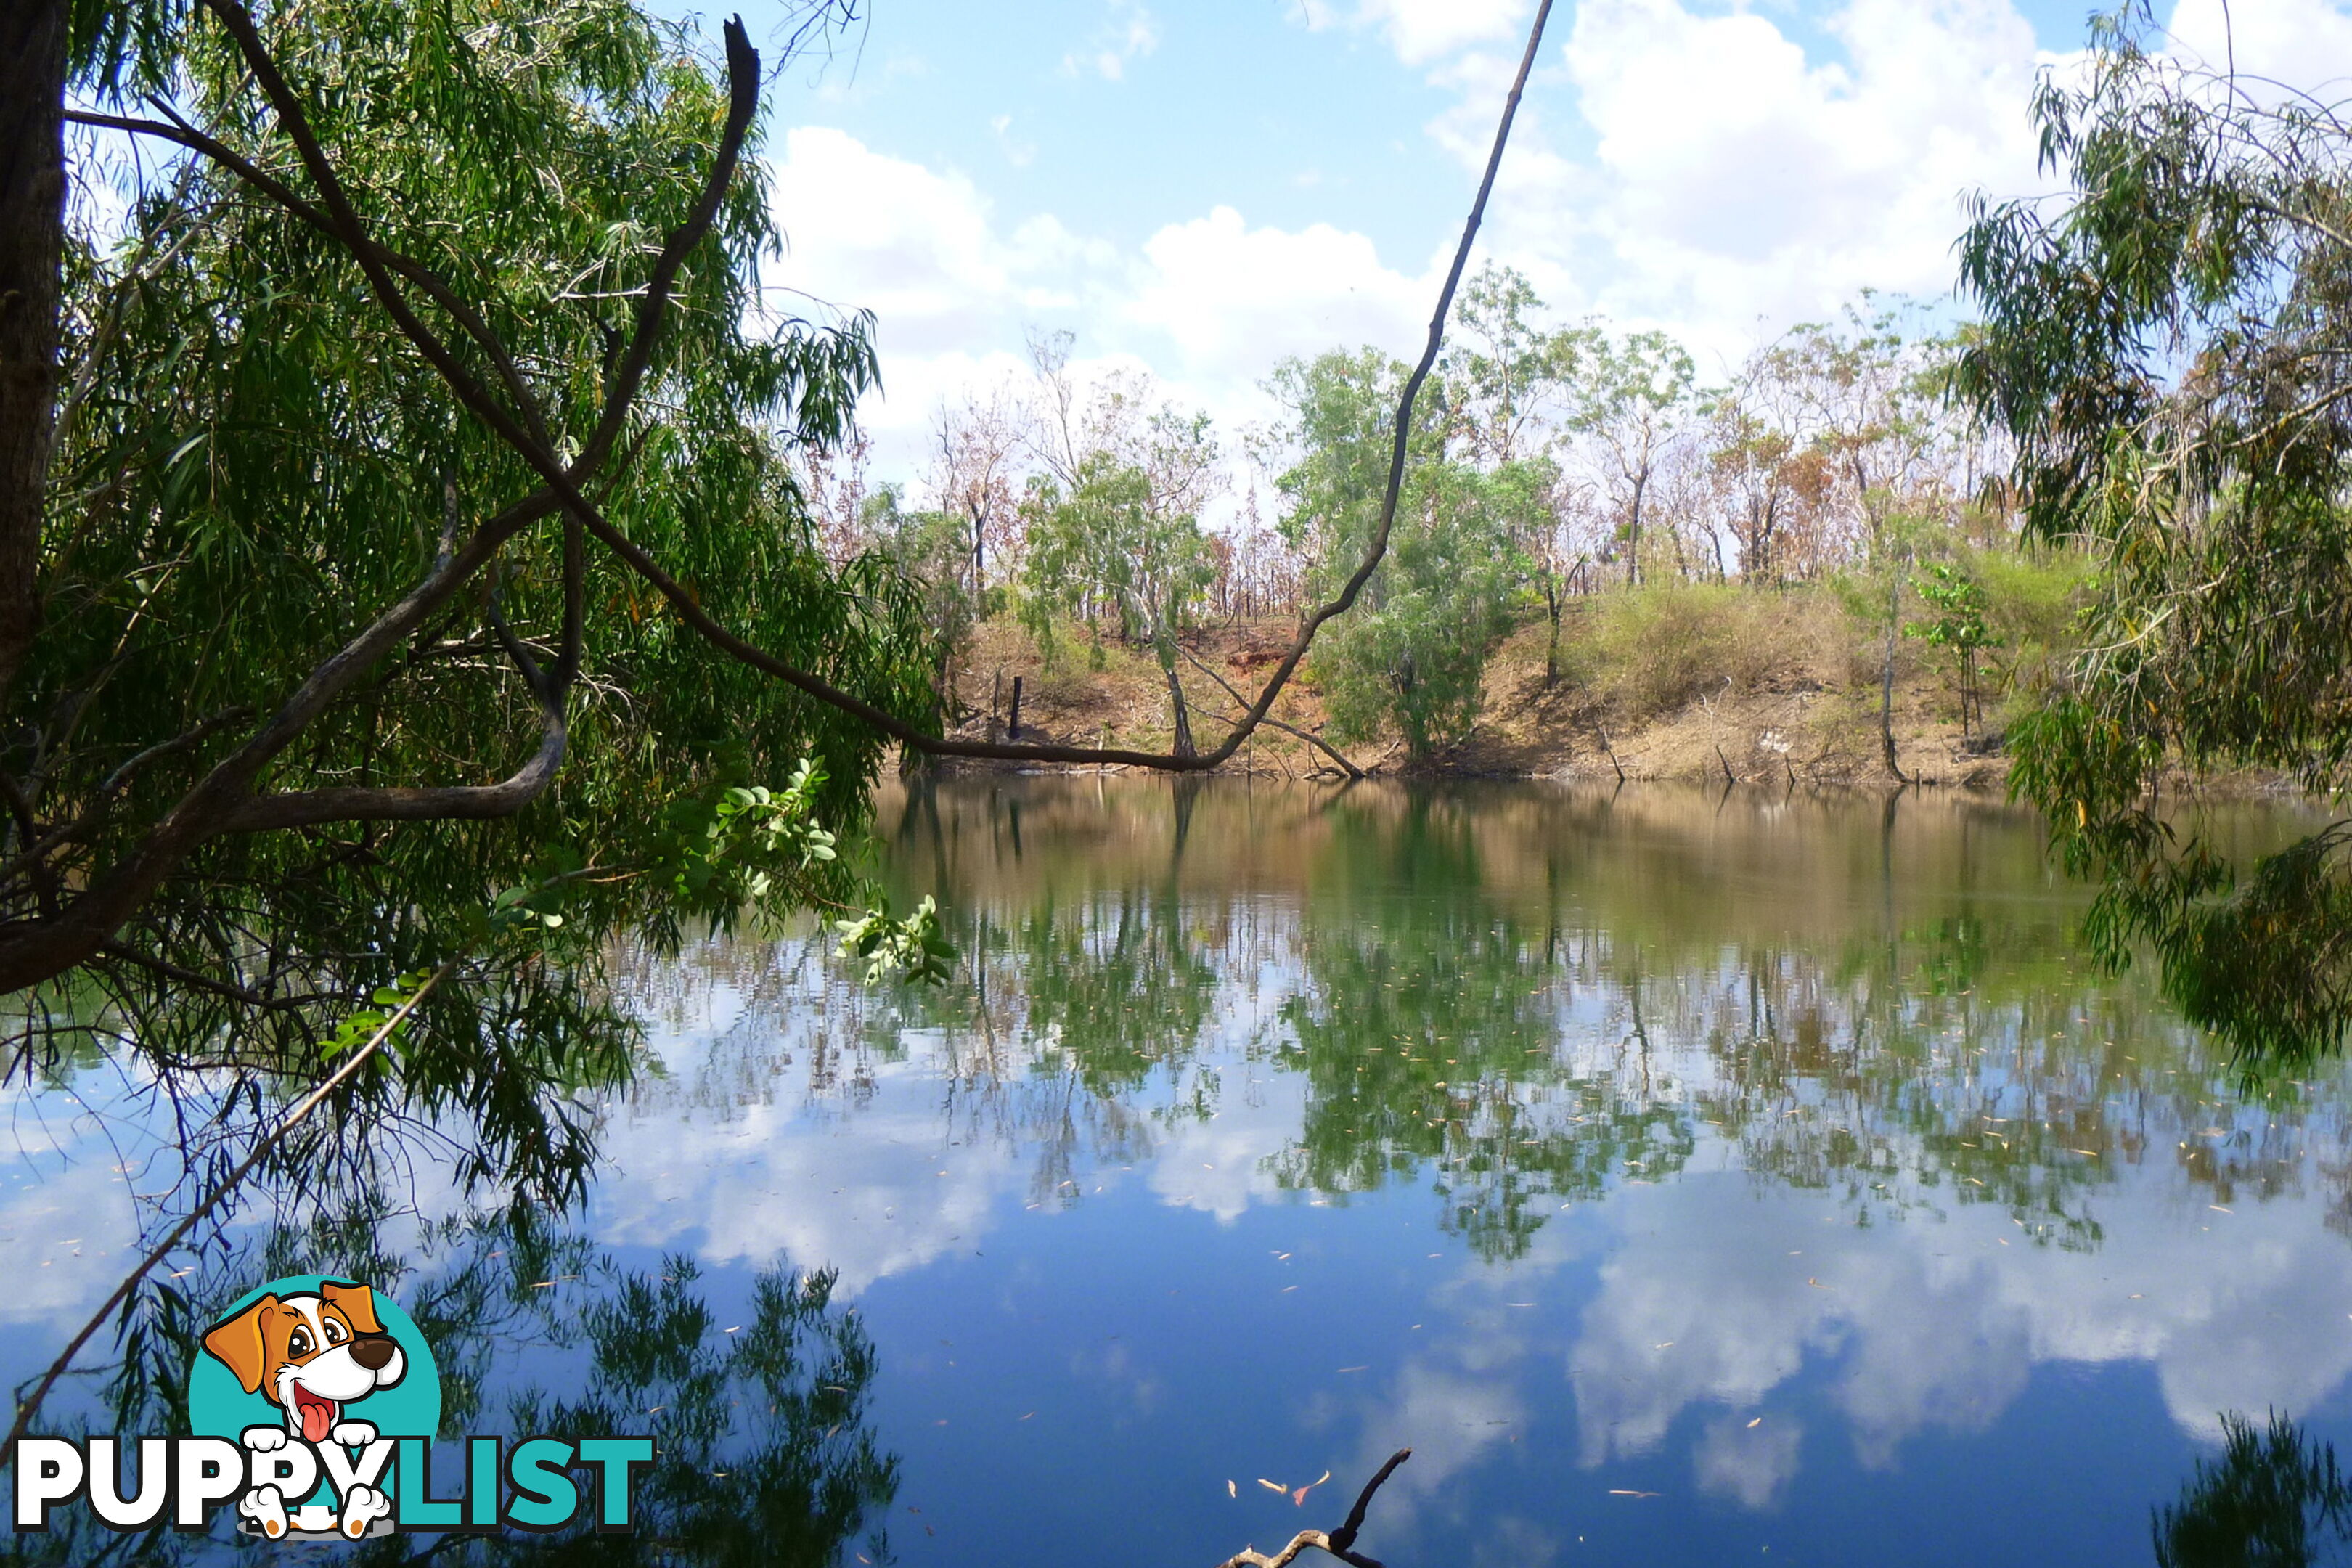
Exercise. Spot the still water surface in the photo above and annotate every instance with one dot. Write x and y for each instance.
(1684, 1179)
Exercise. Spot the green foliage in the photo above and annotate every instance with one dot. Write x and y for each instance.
(1959, 626)
(2033, 603)
(361, 1027)
(1108, 544)
(1630, 398)
(932, 551)
(1114, 530)
(1413, 656)
(725, 849)
(2165, 350)
(1959, 623)
(253, 463)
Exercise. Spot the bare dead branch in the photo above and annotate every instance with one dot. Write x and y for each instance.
(1318, 741)
(1339, 1542)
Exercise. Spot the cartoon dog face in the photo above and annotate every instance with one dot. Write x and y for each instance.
(311, 1356)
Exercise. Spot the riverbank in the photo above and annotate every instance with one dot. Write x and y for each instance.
(1752, 689)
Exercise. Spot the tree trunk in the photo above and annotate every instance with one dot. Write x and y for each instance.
(1179, 717)
(1553, 591)
(32, 231)
(979, 563)
(1633, 535)
(1886, 681)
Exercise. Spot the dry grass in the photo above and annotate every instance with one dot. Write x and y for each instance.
(1676, 681)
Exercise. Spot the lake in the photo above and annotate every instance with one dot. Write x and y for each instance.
(1684, 1177)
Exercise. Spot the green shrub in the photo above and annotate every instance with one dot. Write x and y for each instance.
(1651, 650)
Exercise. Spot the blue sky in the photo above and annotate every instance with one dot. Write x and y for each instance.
(1196, 188)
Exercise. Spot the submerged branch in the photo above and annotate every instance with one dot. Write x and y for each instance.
(1339, 1542)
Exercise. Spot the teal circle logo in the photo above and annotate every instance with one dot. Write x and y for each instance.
(325, 1364)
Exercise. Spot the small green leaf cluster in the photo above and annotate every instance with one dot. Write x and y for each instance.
(912, 946)
(726, 846)
(1960, 622)
(361, 1027)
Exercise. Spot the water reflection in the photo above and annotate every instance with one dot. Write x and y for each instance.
(1678, 1174)
(1768, 1138)
(2274, 1499)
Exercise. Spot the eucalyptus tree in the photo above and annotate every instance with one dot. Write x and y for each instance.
(1113, 530)
(1511, 380)
(1512, 383)
(1415, 660)
(2166, 343)
(1634, 397)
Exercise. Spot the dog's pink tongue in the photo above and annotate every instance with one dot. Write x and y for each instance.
(317, 1418)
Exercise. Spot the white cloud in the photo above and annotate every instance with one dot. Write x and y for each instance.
(1208, 303)
(772, 1186)
(1713, 1298)
(1019, 151)
(1232, 299)
(1676, 165)
(1747, 1461)
(1129, 33)
(1420, 31)
(1730, 176)
(2306, 44)
(1221, 1166)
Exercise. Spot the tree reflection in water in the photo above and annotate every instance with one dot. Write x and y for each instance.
(2274, 1499)
(1527, 996)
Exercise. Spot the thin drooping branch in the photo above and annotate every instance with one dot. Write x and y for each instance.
(180, 974)
(1339, 1542)
(30, 1405)
(286, 196)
